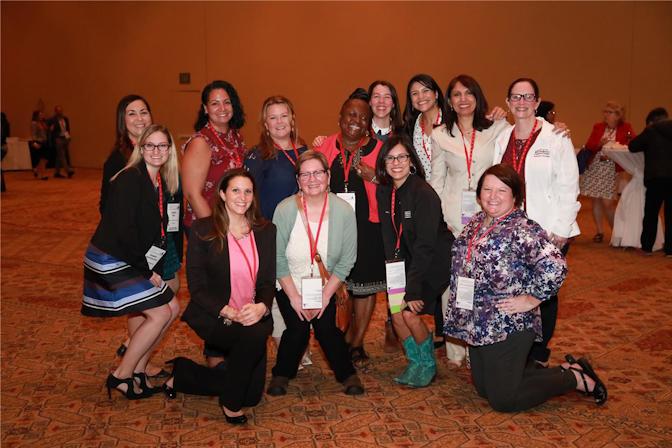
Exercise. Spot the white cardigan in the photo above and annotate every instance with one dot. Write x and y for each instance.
(551, 180)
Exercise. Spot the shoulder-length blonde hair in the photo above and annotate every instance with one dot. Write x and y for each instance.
(220, 216)
(170, 171)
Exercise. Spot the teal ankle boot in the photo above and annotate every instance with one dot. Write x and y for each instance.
(426, 371)
(413, 356)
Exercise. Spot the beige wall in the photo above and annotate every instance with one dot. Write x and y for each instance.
(85, 56)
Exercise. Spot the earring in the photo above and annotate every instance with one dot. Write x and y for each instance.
(413, 169)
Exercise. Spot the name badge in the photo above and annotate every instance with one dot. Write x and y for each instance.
(311, 293)
(349, 198)
(173, 217)
(153, 256)
(469, 206)
(395, 276)
(465, 293)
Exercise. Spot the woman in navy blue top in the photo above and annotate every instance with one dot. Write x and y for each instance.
(272, 161)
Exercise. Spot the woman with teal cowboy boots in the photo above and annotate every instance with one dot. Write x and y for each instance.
(415, 237)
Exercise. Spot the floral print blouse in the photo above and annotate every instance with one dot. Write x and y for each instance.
(515, 258)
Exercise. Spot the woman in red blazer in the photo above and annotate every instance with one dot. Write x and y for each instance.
(599, 180)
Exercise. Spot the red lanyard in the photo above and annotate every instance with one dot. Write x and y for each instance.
(160, 187)
(296, 153)
(344, 160)
(518, 162)
(254, 267)
(313, 242)
(393, 206)
(473, 241)
(221, 144)
(422, 129)
(468, 155)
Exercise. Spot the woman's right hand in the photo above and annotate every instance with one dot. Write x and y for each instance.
(415, 305)
(318, 141)
(156, 280)
(229, 312)
(298, 308)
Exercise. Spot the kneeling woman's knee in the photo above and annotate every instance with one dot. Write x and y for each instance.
(503, 403)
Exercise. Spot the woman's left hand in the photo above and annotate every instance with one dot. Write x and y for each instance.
(415, 305)
(365, 171)
(561, 128)
(518, 304)
(250, 314)
(558, 241)
(325, 303)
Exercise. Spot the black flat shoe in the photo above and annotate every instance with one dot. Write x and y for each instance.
(121, 351)
(278, 386)
(237, 420)
(599, 392)
(142, 380)
(113, 382)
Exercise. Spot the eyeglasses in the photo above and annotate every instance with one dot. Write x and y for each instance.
(401, 158)
(318, 175)
(529, 97)
(162, 147)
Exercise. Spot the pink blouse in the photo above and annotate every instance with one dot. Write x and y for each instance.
(244, 267)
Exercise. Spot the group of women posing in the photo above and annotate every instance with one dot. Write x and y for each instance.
(357, 209)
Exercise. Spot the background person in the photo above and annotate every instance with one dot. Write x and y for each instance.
(509, 267)
(656, 143)
(39, 144)
(59, 131)
(599, 180)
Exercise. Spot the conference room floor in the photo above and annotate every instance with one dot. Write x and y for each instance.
(615, 306)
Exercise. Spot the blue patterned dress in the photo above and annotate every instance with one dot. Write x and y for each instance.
(515, 258)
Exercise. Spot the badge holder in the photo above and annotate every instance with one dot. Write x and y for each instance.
(395, 276)
(153, 256)
(173, 217)
(311, 293)
(469, 206)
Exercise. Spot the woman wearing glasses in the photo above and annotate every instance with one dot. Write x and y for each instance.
(134, 116)
(415, 234)
(216, 147)
(599, 181)
(124, 261)
(351, 155)
(547, 164)
(313, 223)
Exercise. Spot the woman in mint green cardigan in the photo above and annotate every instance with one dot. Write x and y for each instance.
(331, 233)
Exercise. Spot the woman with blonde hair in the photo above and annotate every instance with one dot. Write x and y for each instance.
(599, 180)
(125, 259)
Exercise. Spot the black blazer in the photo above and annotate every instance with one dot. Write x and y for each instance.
(426, 241)
(131, 221)
(208, 275)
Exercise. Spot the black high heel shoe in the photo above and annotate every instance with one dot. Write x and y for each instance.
(599, 392)
(142, 378)
(169, 391)
(113, 382)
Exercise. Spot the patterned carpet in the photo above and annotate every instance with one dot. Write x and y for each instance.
(616, 306)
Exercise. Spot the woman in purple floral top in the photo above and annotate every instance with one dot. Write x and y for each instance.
(503, 267)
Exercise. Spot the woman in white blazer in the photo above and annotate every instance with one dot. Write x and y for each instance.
(547, 163)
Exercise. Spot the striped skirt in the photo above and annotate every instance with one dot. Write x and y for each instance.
(114, 288)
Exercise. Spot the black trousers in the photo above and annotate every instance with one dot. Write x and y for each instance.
(549, 316)
(295, 340)
(502, 375)
(241, 382)
(657, 192)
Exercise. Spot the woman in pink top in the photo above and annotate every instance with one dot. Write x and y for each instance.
(231, 278)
